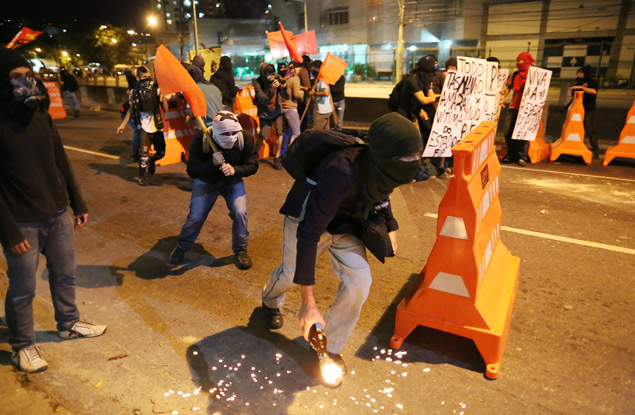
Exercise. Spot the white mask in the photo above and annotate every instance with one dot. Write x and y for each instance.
(226, 141)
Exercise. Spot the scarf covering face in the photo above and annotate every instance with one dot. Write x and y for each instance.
(389, 138)
(226, 122)
(523, 68)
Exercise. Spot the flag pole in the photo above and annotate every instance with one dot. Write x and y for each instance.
(314, 85)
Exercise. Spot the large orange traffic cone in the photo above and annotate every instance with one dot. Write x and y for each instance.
(469, 283)
(56, 110)
(178, 135)
(572, 139)
(538, 149)
(626, 145)
(243, 104)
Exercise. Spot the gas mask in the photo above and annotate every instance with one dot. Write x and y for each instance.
(26, 91)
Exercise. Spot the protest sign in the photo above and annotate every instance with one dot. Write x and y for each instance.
(449, 125)
(533, 100)
(483, 105)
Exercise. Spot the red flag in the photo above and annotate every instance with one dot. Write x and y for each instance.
(307, 43)
(289, 40)
(276, 45)
(173, 77)
(24, 36)
(332, 68)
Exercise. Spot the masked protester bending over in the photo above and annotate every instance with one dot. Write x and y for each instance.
(36, 186)
(145, 110)
(269, 88)
(517, 149)
(219, 174)
(350, 184)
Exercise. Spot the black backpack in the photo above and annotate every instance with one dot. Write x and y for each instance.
(311, 147)
(395, 96)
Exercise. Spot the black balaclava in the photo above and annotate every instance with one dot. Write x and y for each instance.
(389, 138)
(588, 75)
(425, 71)
(21, 96)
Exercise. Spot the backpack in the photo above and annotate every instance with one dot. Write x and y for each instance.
(147, 97)
(311, 147)
(395, 96)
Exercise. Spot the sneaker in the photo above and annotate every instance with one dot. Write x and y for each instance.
(243, 261)
(152, 167)
(277, 163)
(522, 162)
(143, 181)
(28, 359)
(83, 329)
(177, 257)
(273, 317)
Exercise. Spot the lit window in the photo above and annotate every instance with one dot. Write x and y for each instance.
(187, 3)
(168, 15)
(201, 15)
(169, 21)
(336, 16)
(188, 15)
(159, 6)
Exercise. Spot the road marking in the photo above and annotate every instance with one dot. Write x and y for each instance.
(571, 174)
(559, 238)
(95, 153)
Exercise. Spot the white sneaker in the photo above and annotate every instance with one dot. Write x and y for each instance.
(83, 329)
(28, 359)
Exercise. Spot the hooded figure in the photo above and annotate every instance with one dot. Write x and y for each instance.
(327, 216)
(269, 89)
(223, 78)
(21, 96)
(212, 94)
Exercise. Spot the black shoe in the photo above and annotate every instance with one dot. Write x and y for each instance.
(522, 162)
(177, 256)
(277, 163)
(243, 261)
(273, 317)
(152, 168)
(507, 160)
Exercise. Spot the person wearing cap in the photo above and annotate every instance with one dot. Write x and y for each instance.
(328, 216)
(517, 149)
(36, 186)
(219, 174)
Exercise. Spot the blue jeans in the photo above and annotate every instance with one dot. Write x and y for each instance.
(52, 237)
(71, 100)
(136, 130)
(203, 198)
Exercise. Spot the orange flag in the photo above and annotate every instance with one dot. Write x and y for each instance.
(24, 36)
(289, 40)
(307, 43)
(276, 45)
(332, 68)
(173, 78)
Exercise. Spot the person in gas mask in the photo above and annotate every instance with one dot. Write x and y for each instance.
(269, 88)
(517, 149)
(219, 174)
(36, 186)
(586, 83)
(145, 111)
(329, 216)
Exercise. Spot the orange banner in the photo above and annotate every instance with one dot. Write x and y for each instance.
(24, 36)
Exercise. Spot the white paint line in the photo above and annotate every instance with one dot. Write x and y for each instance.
(94, 153)
(559, 238)
(570, 174)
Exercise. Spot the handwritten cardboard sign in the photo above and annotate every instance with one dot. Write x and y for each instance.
(533, 100)
(449, 125)
(483, 105)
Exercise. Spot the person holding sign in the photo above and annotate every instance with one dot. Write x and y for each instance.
(517, 149)
(586, 83)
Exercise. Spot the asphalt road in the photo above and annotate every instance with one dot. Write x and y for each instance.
(176, 333)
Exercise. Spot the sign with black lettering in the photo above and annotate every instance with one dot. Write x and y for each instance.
(449, 125)
(483, 105)
(533, 100)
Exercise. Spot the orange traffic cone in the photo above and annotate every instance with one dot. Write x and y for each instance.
(538, 149)
(572, 139)
(470, 280)
(56, 110)
(178, 135)
(243, 104)
(626, 145)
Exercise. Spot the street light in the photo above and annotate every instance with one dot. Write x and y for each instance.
(113, 40)
(152, 21)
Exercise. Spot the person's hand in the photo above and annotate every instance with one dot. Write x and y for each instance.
(393, 241)
(81, 220)
(218, 159)
(309, 315)
(311, 92)
(227, 169)
(275, 83)
(21, 248)
(120, 129)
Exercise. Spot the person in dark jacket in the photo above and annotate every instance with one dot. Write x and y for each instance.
(69, 87)
(269, 89)
(339, 101)
(36, 186)
(223, 78)
(219, 174)
(329, 215)
(586, 83)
